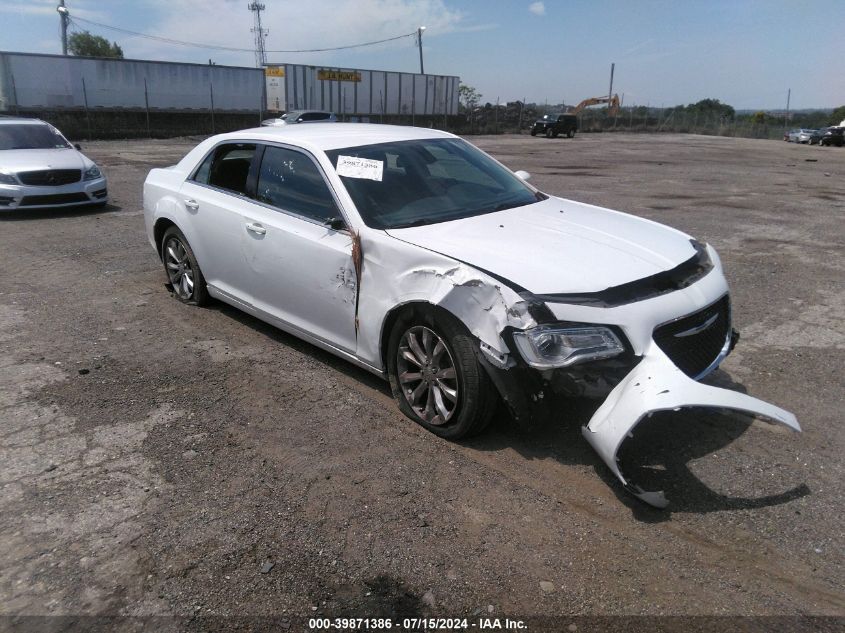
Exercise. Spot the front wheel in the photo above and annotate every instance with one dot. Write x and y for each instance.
(549, 132)
(533, 132)
(182, 268)
(570, 134)
(436, 378)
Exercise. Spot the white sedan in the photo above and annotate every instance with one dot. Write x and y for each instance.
(413, 254)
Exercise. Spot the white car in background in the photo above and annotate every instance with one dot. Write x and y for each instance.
(301, 116)
(40, 168)
(413, 254)
(801, 135)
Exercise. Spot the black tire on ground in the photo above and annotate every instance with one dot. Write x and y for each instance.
(549, 132)
(533, 132)
(179, 262)
(476, 398)
(570, 134)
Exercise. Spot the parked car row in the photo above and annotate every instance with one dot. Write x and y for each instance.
(832, 135)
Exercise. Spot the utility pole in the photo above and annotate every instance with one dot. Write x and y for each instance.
(260, 34)
(64, 16)
(786, 116)
(419, 42)
(610, 91)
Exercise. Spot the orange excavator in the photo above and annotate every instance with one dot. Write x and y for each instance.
(612, 104)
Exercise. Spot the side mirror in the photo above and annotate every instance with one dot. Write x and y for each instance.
(524, 175)
(77, 146)
(336, 224)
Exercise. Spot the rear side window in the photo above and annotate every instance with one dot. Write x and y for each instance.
(227, 167)
(290, 181)
(314, 116)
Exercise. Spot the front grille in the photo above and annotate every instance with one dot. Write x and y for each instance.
(59, 198)
(694, 341)
(50, 177)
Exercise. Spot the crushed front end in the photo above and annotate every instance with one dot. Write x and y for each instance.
(644, 347)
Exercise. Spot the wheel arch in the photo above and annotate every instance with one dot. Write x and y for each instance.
(410, 308)
(159, 229)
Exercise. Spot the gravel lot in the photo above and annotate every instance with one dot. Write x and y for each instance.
(168, 460)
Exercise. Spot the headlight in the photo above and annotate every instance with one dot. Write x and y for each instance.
(92, 173)
(7, 179)
(549, 346)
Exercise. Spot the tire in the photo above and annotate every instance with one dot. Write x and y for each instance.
(533, 132)
(423, 395)
(570, 134)
(549, 132)
(183, 271)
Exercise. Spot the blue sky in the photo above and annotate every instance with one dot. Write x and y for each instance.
(744, 52)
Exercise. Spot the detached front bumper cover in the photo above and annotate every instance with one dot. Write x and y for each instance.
(656, 384)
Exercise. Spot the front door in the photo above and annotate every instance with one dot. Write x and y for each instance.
(300, 269)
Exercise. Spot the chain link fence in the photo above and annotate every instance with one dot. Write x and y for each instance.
(518, 118)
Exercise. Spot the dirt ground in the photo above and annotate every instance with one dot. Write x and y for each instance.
(159, 459)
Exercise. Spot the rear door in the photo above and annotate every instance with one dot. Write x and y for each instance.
(300, 270)
(215, 197)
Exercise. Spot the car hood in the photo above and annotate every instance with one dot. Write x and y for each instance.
(557, 246)
(33, 159)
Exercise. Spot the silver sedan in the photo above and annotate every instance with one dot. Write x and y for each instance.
(40, 168)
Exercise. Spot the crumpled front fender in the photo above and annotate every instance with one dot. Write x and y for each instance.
(656, 384)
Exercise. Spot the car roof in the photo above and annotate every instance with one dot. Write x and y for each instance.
(335, 136)
(17, 120)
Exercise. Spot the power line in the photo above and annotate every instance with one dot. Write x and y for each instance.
(168, 40)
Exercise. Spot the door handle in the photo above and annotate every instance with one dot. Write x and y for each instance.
(256, 228)
(193, 205)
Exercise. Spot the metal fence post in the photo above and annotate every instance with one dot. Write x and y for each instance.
(85, 102)
(147, 108)
(14, 93)
(211, 93)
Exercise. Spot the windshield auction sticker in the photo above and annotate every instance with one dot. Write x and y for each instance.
(354, 167)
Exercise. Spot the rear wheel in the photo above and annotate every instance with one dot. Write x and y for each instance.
(182, 268)
(435, 377)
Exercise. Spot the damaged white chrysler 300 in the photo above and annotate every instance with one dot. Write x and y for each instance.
(415, 255)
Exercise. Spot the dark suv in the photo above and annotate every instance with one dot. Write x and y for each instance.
(553, 124)
(828, 136)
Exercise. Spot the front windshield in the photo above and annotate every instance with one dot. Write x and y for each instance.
(30, 136)
(412, 183)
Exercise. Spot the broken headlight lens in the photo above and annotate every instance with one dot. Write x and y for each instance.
(550, 346)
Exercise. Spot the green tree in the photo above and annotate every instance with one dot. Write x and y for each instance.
(468, 97)
(86, 45)
(838, 115)
(712, 107)
(758, 118)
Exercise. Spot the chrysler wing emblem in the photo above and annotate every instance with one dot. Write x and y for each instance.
(698, 328)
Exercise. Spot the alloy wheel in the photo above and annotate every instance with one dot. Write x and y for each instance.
(179, 269)
(427, 375)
